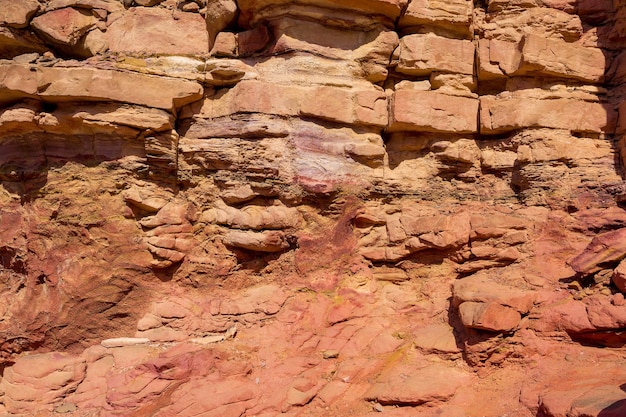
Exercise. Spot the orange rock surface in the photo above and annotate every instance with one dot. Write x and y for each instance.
(312, 208)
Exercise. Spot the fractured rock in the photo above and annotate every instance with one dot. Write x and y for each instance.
(424, 54)
(558, 58)
(604, 248)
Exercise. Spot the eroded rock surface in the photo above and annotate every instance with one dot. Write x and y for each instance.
(312, 208)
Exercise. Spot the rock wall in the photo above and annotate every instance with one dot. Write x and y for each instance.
(313, 208)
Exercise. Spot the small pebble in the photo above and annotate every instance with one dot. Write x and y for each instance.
(65, 408)
(618, 299)
(330, 354)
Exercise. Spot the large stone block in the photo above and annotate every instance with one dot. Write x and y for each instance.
(514, 24)
(353, 106)
(252, 11)
(512, 111)
(423, 54)
(64, 26)
(455, 15)
(17, 13)
(62, 84)
(431, 111)
(489, 316)
(153, 31)
(16, 81)
(497, 58)
(555, 57)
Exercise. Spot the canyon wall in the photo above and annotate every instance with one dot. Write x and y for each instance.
(313, 208)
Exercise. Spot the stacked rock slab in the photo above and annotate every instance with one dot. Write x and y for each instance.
(312, 208)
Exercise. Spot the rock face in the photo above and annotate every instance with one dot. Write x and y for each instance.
(312, 208)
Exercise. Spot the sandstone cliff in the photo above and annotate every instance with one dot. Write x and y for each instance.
(312, 208)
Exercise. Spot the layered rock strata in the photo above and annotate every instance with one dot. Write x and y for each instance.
(312, 208)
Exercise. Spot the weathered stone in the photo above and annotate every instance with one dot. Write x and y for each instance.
(59, 84)
(619, 276)
(252, 10)
(268, 241)
(511, 111)
(451, 15)
(480, 289)
(367, 107)
(64, 26)
(604, 248)
(497, 58)
(109, 6)
(492, 317)
(18, 14)
(93, 84)
(430, 384)
(558, 58)
(38, 381)
(513, 25)
(430, 111)
(423, 54)
(436, 338)
(153, 31)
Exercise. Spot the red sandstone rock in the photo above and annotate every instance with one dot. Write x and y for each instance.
(64, 26)
(607, 247)
(390, 9)
(430, 111)
(37, 382)
(497, 58)
(18, 14)
(489, 316)
(423, 54)
(430, 384)
(367, 107)
(513, 111)
(270, 241)
(158, 31)
(313, 225)
(451, 15)
(619, 277)
(564, 60)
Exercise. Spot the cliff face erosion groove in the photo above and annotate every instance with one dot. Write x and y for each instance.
(313, 208)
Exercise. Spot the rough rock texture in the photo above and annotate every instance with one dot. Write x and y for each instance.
(312, 208)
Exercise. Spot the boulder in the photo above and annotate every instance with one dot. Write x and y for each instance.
(18, 13)
(492, 317)
(64, 26)
(604, 248)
